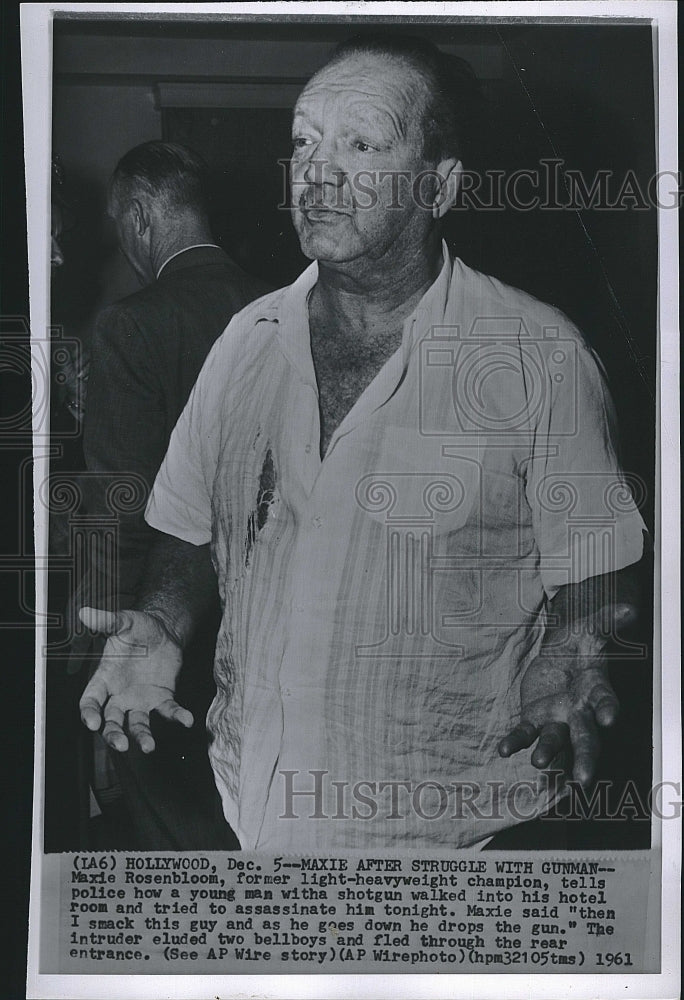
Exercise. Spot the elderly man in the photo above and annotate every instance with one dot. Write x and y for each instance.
(147, 351)
(373, 457)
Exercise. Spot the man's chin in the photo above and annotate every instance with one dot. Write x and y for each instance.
(324, 238)
(327, 250)
(324, 247)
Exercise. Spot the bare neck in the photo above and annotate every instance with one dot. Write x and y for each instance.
(369, 299)
(173, 242)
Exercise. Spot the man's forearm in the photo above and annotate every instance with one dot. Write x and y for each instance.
(584, 617)
(178, 586)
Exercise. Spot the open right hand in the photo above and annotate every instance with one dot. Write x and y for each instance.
(136, 675)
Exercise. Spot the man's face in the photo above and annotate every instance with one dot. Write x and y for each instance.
(357, 150)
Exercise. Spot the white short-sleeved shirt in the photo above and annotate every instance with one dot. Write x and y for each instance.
(381, 606)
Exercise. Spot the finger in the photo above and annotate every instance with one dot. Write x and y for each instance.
(139, 728)
(92, 702)
(520, 738)
(100, 621)
(173, 712)
(113, 732)
(552, 739)
(605, 704)
(586, 746)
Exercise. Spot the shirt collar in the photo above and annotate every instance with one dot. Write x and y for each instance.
(291, 314)
(431, 309)
(194, 246)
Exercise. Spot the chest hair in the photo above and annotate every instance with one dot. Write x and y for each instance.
(346, 362)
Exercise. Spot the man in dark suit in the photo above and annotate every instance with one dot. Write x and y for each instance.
(147, 351)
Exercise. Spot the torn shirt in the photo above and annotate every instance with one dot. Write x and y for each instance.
(382, 605)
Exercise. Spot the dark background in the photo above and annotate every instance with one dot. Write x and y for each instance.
(584, 94)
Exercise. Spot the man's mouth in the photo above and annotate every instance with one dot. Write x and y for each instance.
(321, 206)
(323, 213)
(316, 209)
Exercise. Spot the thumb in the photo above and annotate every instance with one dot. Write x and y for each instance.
(96, 620)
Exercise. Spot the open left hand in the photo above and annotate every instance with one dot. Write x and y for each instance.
(564, 701)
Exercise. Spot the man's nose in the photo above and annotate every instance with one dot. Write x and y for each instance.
(56, 255)
(324, 167)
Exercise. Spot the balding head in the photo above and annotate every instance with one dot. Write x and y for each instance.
(449, 91)
(167, 172)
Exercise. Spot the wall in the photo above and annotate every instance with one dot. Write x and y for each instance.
(94, 125)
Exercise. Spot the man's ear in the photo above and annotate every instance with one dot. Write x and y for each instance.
(141, 217)
(450, 172)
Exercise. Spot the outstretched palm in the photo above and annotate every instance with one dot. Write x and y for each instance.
(563, 701)
(136, 675)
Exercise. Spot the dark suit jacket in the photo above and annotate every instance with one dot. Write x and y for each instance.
(147, 352)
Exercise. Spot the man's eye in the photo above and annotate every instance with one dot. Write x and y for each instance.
(299, 141)
(363, 147)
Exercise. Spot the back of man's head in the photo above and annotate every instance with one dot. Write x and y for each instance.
(166, 173)
(453, 91)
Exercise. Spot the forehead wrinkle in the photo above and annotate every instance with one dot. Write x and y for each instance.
(354, 112)
(395, 95)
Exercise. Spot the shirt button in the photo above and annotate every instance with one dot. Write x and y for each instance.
(317, 521)
(308, 449)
